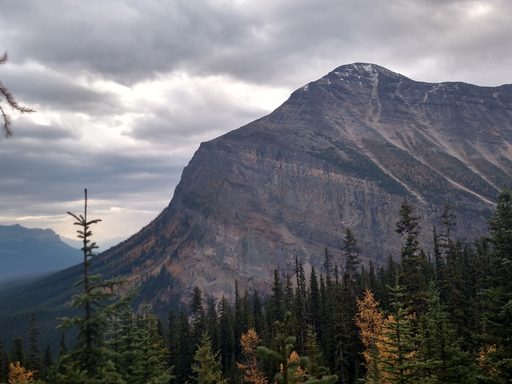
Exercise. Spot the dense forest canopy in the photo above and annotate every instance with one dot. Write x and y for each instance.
(438, 316)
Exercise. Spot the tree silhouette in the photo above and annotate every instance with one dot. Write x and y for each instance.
(7, 96)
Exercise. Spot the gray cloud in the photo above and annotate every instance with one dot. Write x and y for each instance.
(286, 42)
(84, 65)
(51, 90)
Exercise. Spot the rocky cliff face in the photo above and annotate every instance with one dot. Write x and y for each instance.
(343, 151)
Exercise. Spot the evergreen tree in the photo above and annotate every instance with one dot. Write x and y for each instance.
(17, 351)
(33, 362)
(276, 310)
(90, 358)
(3, 371)
(396, 345)
(497, 313)
(207, 366)
(257, 312)
(317, 366)
(47, 361)
(291, 367)
(226, 335)
(351, 256)
(198, 316)
(63, 348)
(314, 303)
(150, 356)
(413, 260)
(438, 256)
(212, 324)
(300, 298)
(440, 356)
(184, 350)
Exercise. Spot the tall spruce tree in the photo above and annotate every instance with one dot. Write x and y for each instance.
(34, 362)
(440, 356)
(207, 367)
(413, 259)
(91, 359)
(17, 351)
(226, 335)
(397, 349)
(300, 304)
(497, 314)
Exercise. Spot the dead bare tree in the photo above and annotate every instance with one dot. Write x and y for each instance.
(6, 95)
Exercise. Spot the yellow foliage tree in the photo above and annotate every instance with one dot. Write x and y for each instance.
(369, 319)
(249, 342)
(19, 375)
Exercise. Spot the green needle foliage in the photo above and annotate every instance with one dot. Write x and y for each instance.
(207, 367)
(90, 360)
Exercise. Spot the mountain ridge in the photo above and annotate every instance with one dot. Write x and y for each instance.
(26, 252)
(342, 152)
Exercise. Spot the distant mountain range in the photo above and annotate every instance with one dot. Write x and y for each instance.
(26, 252)
(342, 152)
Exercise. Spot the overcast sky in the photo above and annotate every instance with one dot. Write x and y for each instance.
(126, 90)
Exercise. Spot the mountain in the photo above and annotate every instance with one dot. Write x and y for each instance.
(26, 252)
(342, 152)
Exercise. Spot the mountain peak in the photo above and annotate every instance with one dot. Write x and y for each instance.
(356, 73)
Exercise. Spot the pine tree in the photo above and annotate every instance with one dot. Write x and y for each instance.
(396, 346)
(97, 301)
(257, 311)
(198, 316)
(317, 366)
(351, 256)
(300, 298)
(440, 356)
(47, 361)
(207, 366)
(150, 359)
(3, 372)
(276, 310)
(17, 351)
(496, 317)
(212, 324)
(314, 303)
(63, 348)
(413, 259)
(33, 362)
(288, 369)
(438, 256)
(291, 367)
(184, 350)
